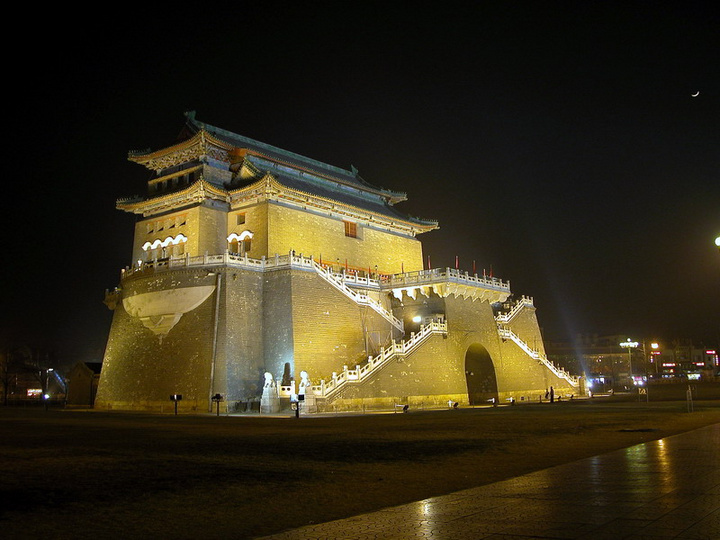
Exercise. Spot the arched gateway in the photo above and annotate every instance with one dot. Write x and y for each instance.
(480, 375)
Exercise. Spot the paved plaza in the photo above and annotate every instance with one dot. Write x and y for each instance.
(669, 488)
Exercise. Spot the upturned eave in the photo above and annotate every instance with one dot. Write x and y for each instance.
(193, 194)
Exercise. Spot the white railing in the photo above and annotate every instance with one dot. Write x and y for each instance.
(337, 280)
(226, 259)
(515, 309)
(439, 275)
(360, 298)
(355, 279)
(374, 363)
(506, 333)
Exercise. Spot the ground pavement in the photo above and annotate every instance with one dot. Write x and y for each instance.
(662, 489)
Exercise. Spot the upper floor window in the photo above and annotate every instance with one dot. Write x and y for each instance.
(168, 223)
(350, 229)
(161, 249)
(240, 244)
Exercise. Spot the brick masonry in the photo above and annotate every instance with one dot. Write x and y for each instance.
(282, 320)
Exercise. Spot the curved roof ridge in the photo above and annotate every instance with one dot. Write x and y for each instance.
(274, 152)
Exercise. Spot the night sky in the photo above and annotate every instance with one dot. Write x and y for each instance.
(556, 143)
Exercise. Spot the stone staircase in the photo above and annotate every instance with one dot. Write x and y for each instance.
(506, 333)
(359, 298)
(329, 389)
(517, 307)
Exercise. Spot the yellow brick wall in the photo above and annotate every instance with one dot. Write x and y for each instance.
(141, 371)
(279, 229)
(526, 327)
(324, 236)
(436, 371)
(203, 226)
(329, 329)
(211, 235)
(159, 228)
(256, 222)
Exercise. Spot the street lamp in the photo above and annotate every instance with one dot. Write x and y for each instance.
(717, 242)
(655, 352)
(629, 345)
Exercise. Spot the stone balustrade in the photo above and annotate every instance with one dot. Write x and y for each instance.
(223, 259)
(340, 281)
(352, 279)
(438, 275)
(517, 307)
(359, 298)
(506, 333)
(403, 348)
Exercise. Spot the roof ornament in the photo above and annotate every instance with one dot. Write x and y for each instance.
(354, 170)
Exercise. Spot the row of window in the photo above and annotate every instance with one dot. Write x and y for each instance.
(174, 182)
(161, 249)
(165, 224)
(238, 244)
(351, 228)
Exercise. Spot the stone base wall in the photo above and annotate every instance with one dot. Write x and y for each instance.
(141, 369)
(291, 320)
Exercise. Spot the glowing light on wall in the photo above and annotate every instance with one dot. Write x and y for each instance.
(165, 243)
(240, 237)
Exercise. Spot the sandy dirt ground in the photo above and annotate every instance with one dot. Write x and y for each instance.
(83, 474)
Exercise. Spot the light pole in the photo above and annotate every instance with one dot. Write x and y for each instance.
(654, 354)
(629, 345)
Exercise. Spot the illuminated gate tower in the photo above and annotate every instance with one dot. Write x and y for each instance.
(258, 273)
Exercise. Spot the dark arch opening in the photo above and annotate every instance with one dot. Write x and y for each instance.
(480, 375)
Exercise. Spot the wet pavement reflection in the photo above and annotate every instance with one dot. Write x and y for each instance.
(662, 489)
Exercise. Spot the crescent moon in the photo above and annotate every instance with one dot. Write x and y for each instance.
(696, 94)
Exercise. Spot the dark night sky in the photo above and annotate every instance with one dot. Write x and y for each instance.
(556, 142)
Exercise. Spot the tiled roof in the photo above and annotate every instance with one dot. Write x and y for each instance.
(290, 158)
(313, 177)
(358, 198)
